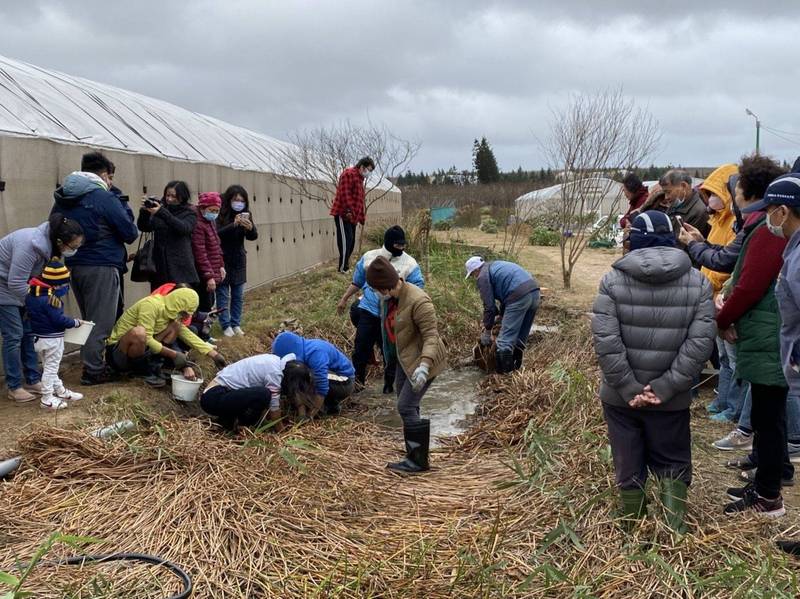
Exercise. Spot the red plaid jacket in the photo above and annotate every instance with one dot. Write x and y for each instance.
(350, 194)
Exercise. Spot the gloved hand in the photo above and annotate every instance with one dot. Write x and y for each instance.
(419, 378)
(219, 360)
(181, 360)
(486, 338)
(77, 323)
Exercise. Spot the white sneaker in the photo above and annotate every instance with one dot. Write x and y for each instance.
(228, 332)
(238, 331)
(53, 403)
(736, 440)
(68, 395)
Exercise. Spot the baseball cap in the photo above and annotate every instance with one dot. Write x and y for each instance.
(783, 191)
(473, 264)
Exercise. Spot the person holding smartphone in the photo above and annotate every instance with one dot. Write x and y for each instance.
(234, 226)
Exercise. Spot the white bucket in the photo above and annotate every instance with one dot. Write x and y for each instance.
(79, 335)
(183, 389)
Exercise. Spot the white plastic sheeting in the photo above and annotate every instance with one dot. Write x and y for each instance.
(42, 103)
(595, 189)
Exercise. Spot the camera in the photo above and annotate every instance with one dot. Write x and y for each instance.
(151, 202)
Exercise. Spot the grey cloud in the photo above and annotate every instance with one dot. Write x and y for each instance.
(443, 73)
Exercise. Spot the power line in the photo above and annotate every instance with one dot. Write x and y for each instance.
(772, 132)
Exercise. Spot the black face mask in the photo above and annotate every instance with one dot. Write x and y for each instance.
(393, 250)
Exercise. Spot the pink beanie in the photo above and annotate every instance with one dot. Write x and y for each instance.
(209, 198)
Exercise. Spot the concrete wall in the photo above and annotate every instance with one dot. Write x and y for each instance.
(294, 234)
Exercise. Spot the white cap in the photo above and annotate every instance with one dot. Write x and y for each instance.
(473, 264)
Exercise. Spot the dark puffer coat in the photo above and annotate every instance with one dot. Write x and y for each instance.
(653, 324)
(172, 228)
(231, 239)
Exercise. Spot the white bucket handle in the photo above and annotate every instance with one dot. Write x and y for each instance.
(193, 364)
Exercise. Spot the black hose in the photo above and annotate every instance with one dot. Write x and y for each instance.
(139, 557)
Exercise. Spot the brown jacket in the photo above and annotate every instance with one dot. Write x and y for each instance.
(416, 332)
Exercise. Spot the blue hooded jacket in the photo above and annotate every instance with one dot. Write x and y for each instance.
(107, 226)
(319, 355)
(46, 316)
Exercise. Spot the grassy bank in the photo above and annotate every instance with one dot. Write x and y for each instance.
(522, 505)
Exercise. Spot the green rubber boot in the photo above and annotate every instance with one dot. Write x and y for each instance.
(634, 507)
(673, 496)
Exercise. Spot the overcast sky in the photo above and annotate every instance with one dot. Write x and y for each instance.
(440, 72)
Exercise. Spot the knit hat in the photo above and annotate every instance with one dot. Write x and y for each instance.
(55, 273)
(652, 229)
(394, 235)
(473, 264)
(381, 274)
(209, 198)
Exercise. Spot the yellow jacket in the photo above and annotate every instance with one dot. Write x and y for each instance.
(155, 313)
(721, 221)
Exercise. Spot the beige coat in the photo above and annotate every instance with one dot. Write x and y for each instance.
(416, 332)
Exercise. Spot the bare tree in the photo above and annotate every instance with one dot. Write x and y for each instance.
(312, 160)
(596, 137)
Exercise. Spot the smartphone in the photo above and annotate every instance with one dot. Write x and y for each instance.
(245, 215)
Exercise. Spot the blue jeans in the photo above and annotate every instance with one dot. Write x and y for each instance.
(230, 298)
(731, 398)
(18, 348)
(517, 322)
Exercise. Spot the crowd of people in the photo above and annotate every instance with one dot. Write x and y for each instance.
(194, 258)
(707, 273)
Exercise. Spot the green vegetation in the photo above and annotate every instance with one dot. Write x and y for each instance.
(544, 236)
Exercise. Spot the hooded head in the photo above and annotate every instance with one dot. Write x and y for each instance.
(715, 191)
(394, 236)
(288, 343)
(209, 198)
(179, 301)
(651, 229)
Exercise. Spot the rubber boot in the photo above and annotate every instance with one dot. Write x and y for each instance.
(634, 507)
(518, 353)
(418, 439)
(504, 361)
(673, 496)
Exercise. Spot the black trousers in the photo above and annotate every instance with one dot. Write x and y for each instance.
(368, 335)
(643, 440)
(337, 392)
(228, 405)
(207, 298)
(345, 241)
(768, 418)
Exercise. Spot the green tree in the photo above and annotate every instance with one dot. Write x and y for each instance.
(484, 162)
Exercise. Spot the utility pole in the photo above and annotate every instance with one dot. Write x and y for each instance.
(758, 129)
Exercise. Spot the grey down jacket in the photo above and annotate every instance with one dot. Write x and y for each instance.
(653, 323)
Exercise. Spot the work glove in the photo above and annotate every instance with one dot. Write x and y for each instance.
(181, 360)
(486, 338)
(219, 360)
(419, 378)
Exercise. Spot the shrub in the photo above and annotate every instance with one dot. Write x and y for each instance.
(489, 226)
(468, 216)
(442, 225)
(543, 236)
(486, 210)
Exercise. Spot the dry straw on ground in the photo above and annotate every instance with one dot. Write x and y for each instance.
(520, 506)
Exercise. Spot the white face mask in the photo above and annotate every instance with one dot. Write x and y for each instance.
(776, 230)
(69, 253)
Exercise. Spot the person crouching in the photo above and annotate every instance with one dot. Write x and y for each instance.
(409, 328)
(653, 328)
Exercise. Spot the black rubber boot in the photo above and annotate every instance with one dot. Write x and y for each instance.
(518, 353)
(418, 440)
(504, 361)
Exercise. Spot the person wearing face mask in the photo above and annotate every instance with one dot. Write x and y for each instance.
(141, 338)
(410, 332)
(96, 267)
(366, 312)
(685, 204)
(207, 250)
(23, 254)
(171, 220)
(749, 317)
(234, 226)
(349, 209)
(517, 292)
(45, 308)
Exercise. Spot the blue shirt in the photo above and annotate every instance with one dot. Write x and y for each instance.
(406, 267)
(319, 355)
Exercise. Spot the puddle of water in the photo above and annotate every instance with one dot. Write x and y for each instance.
(451, 398)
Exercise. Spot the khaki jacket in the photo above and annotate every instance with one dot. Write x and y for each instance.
(416, 332)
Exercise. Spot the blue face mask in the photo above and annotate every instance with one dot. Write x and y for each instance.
(210, 216)
(237, 206)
